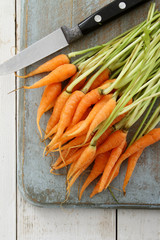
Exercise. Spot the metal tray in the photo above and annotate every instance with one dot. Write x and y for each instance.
(37, 185)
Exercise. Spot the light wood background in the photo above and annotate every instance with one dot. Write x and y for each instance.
(20, 220)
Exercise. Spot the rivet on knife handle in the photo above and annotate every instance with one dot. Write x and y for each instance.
(107, 13)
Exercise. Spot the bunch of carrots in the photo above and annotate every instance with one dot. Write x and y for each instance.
(109, 87)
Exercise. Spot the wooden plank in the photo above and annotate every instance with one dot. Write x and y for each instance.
(36, 182)
(60, 223)
(138, 224)
(64, 224)
(7, 125)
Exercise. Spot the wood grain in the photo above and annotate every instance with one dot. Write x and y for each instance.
(37, 223)
(138, 224)
(7, 125)
(58, 223)
(64, 224)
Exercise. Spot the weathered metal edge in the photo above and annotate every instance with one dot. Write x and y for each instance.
(20, 163)
(81, 205)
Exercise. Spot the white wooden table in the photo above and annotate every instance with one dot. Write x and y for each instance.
(18, 219)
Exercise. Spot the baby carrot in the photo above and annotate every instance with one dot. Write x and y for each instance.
(67, 113)
(130, 167)
(64, 154)
(74, 161)
(75, 142)
(115, 154)
(92, 114)
(75, 154)
(65, 137)
(113, 141)
(102, 115)
(59, 74)
(145, 141)
(76, 175)
(50, 106)
(78, 86)
(98, 167)
(59, 104)
(104, 136)
(54, 118)
(89, 99)
(86, 157)
(49, 95)
(100, 79)
(49, 65)
(96, 188)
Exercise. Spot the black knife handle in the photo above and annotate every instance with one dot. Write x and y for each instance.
(107, 13)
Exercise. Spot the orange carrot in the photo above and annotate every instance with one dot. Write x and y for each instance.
(85, 115)
(75, 142)
(98, 167)
(96, 188)
(116, 174)
(89, 99)
(110, 129)
(92, 114)
(60, 74)
(76, 175)
(49, 65)
(131, 166)
(53, 131)
(115, 154)
(54, 118)
(49, 95)
(102, 115)
(113, 141)
(71, 158)
(104, 136)
(50, 106)
(61, 100)
(78, 86)
(100, 79)
(66, 136)
(86, 157)
(73, 163)
(67, 114)
(65, 154)
(145, 141)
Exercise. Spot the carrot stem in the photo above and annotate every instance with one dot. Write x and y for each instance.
(138, 80)
(143, 121)
(113, 195)
(153, 121)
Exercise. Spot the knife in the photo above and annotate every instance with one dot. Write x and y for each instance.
(63, 36)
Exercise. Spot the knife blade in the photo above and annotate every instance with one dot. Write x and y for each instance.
(64, 36)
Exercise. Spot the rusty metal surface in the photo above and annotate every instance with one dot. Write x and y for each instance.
(38, 186)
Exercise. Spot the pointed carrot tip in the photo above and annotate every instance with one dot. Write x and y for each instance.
(124, 192)
(39, 129)
(92, 195)
(51, 170)
(80, 195)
